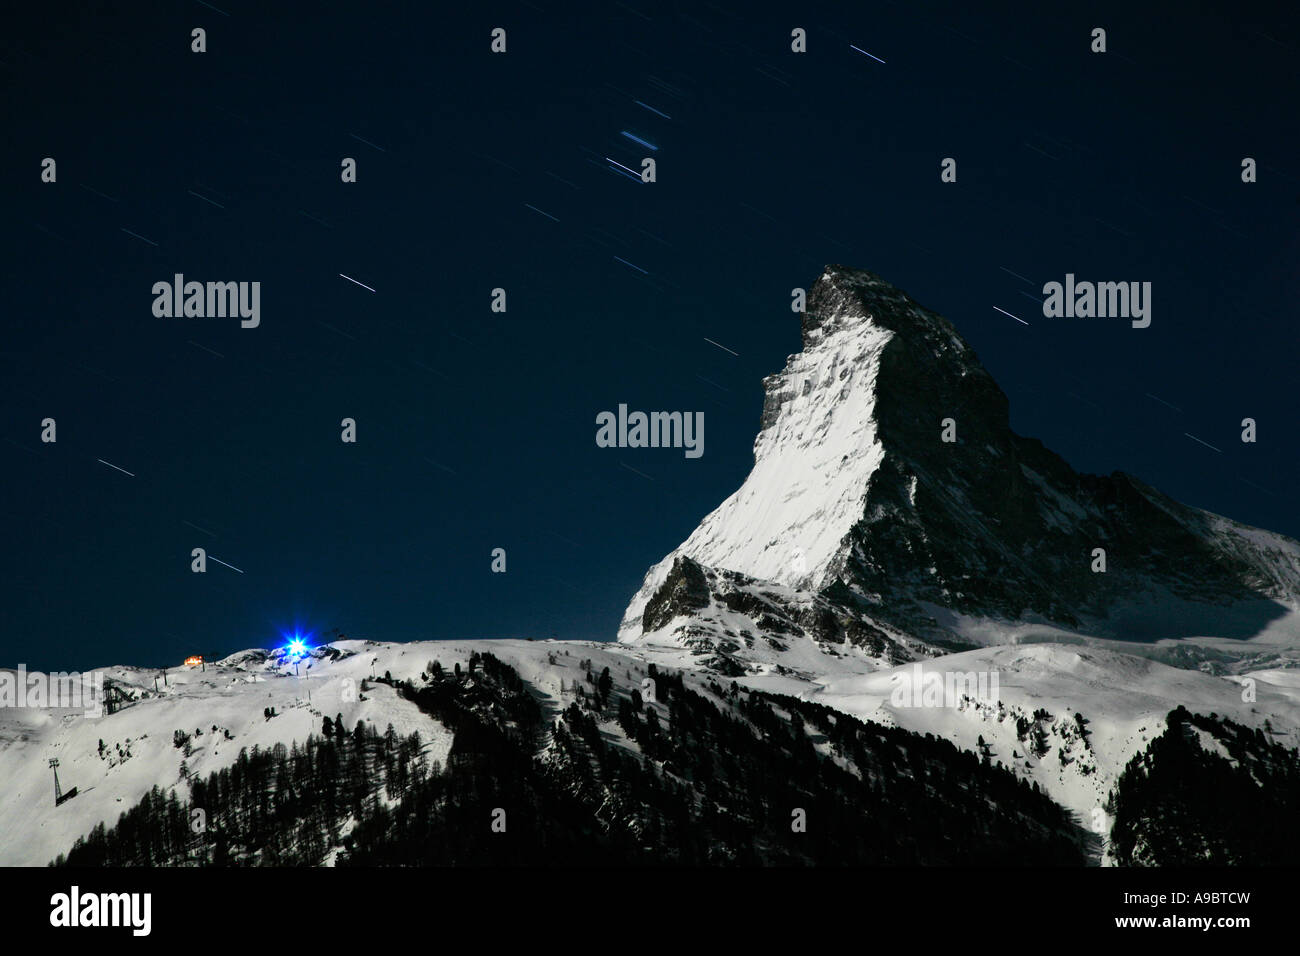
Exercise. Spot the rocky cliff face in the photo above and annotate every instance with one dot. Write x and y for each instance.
(858, 518)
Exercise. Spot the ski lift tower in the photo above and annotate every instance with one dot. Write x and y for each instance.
(59, 795)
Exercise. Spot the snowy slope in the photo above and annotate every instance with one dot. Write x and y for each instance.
(810, 470)
(231, 695)
(1122, 697)
(812, 460)
(1124, 700)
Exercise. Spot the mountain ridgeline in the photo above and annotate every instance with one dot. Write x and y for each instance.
(888, 483)
(728, 776)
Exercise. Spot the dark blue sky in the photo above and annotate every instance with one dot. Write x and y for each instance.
(476, 429)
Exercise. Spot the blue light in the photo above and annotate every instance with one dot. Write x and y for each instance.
(296, 644)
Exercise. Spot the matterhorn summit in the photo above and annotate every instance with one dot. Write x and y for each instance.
(892, 511)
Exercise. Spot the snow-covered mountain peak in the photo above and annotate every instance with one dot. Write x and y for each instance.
(887, 480)
(845, 298)
(820, 439)
(816, 449)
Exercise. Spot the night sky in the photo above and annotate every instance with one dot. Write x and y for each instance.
(475, 429)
